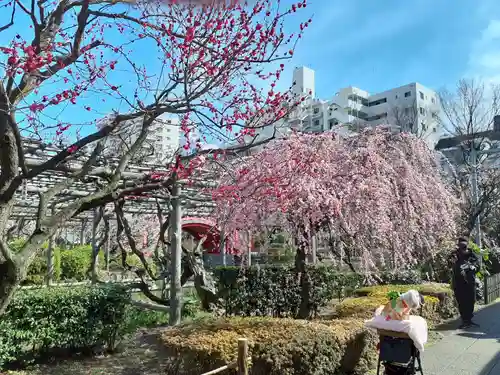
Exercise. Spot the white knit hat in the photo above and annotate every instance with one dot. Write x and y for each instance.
(412, 298)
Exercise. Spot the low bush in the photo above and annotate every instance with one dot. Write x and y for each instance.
(404, 277)
(276, 346)
(364, 307)
(62, 319)
(69, 264)
(136, 318)
(75, 262)
(275, 290)
(439, 303)
(431, 289)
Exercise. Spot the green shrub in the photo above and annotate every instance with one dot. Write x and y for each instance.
(43, 320)
(140, 318)
(115, 262)
(75, 262)
(364, 307)
(431, 289)
(439, 303)
(274, 290)
(137, 317)
(404, 277)
(276, 346)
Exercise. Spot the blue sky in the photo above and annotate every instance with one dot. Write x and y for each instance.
(378, 45)
(374, 45)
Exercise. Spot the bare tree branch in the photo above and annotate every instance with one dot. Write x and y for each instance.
(11, 22)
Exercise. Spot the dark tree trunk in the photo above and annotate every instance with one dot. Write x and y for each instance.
(10, 279)
(303, 279)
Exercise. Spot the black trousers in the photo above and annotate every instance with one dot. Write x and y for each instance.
(466, 298)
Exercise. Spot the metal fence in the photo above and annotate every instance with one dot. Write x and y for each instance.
(491, 288)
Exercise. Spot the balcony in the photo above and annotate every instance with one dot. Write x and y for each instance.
(357, 113)
(358, 99)
(377, 102)
(377, 117)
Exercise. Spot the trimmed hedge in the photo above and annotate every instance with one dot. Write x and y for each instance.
(439, 302)
(69, 264)
(432, 289)
(275, 290)
(277, 346)
(75, 262)
(364, 307)
(66, 319)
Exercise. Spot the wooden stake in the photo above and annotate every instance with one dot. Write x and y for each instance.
(242, 357)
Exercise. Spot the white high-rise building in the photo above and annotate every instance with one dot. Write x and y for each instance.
(162, 139)
(304, 80)
(411, 108)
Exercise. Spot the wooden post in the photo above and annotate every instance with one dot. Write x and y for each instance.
(95, 250)
(50, 256)
(176, 251)
(249, 249)
(314, 246)
(108, 249)
(242, 357)
(82, 233)
(222, 247)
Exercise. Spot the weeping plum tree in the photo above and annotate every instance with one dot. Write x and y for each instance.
(379, 193)
(68, 63)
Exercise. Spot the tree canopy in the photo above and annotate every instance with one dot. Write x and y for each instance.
(380, 193)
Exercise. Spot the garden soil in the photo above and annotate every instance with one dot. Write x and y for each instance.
(139, 355)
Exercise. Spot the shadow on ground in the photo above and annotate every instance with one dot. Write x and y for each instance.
(142, 354)
(488, 317)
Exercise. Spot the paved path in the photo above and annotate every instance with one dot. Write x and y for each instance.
(467, 352)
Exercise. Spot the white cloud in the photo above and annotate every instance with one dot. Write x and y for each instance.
(484, 59)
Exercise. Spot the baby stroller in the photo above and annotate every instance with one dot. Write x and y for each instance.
(398, 354)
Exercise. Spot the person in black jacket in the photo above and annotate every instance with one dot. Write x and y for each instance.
(464, 282)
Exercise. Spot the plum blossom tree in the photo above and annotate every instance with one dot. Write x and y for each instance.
(379, 193)
(66, 64)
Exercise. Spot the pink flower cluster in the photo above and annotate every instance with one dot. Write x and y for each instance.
(382, 191)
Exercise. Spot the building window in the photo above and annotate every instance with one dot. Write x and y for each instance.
(421, 95)
(333, 123)
(433, 100)
(434, 129)
(377, 117)
(407, 111)
(407, 94)
(316, 110)
(357, 99)
(422, 111)
(424, 127)
(316, 122)
(377, 102)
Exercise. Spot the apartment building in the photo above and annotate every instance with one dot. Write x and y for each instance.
(162, 139)
(411, 108)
